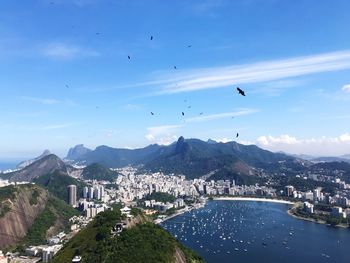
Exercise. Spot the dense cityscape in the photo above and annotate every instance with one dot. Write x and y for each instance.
(173, 195)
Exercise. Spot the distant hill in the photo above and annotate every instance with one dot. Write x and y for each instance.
(77, 151)
(195, 158)
(345, 156)
(115, 158)
(330, 159)
(23, 164)
(144, 242)
(43, 166)
(56, 183)
(29, 214)
(97, 171)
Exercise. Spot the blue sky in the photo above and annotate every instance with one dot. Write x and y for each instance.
(66, 78)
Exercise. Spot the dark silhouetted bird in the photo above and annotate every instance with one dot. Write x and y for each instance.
(189, 46)
(67, 86)
(183, 114)
(240, 91)
(152, 113)
(189, 107)
(129, 57)
(175, 67)
(97, 33)
(237, 135)
(151, 37)
(201, 113)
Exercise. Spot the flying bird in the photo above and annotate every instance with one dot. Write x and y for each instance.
(67, 86)
(237, 135)
(129, 57)
(152, 113)
(183, 114)
(189, 107)
(240, 91)
(201, 113)
(151, 37)
(175, 67)
(189, 46)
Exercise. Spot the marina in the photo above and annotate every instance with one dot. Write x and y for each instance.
(228, 230)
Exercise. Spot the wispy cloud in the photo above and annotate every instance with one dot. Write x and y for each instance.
(314, 146)
(259, 72)
(59, 50)
(78, 3)
(223, 115)
(46, 101)
(346, 88)
(133, 107)
(57, 126)
(162, 134)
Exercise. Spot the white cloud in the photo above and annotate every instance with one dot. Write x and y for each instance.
(259, 72)
(313, 146)
(346, 88)
(162, 134)
(132, 107)
(65, 51)
(46, 101)
(57, 126)
(223, 115)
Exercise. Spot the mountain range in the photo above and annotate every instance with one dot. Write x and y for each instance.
(191, 157)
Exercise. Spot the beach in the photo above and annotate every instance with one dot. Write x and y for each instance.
(255, 199)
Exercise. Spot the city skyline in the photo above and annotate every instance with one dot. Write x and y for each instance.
(71, 81)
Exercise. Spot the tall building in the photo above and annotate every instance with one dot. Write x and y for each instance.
(289, 190)
(91, 193)
(102, 191)
(72, 195)
(85, 192)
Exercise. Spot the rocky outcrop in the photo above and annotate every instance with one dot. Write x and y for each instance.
(24, 164)
(28, 202)
(45, 165)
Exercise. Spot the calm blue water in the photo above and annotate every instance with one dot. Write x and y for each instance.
(241, 231)
(4, 165)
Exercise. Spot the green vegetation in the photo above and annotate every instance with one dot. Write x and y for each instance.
(34, 198)
(8, 192)
(240, 179)
(304, 185)
(145, 242)
(321, 216)
(56, 183)
(99, 172)
(161, 197)
(55, 210)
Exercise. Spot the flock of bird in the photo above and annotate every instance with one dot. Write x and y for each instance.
(239, 90)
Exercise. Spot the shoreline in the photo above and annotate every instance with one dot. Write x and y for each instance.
(253, 199)
(321, 222)
(180, 212)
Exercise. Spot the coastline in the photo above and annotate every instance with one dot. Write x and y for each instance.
(179, 212)
(254, 199)
(321, 222)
